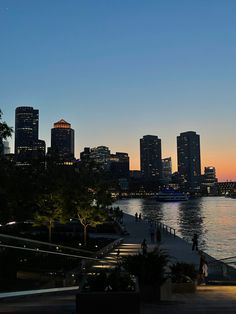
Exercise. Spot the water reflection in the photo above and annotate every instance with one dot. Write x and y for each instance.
(190, 221)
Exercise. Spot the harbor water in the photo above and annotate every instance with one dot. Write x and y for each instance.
(212, 218)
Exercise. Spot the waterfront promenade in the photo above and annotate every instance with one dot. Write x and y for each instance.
(178, 249)
(207, 299)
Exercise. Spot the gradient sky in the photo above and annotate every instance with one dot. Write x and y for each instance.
(120, 69)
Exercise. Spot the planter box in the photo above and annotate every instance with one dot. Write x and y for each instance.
(185, 287)
(149, 293)
(108, 302)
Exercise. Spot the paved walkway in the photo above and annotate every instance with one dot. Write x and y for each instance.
(206, 300)
(178, 249)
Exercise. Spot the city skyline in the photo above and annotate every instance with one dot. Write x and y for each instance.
(119, 71)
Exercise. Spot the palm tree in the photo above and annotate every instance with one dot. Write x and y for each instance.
(50, 210)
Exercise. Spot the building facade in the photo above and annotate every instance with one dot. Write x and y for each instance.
(28, 146)
(119, 165)
(150, 157)
(209, 181)
(100, 158)
(62, 141)
(189, 161)
(166, 170)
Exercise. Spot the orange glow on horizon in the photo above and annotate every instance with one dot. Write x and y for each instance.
(225, 170)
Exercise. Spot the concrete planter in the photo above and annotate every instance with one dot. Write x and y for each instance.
(185, 287)
(151, 293)
(108, 302)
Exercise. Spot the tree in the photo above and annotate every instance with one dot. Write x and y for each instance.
(50, 210)
(88, 214)
(103, 197)
(5, 131)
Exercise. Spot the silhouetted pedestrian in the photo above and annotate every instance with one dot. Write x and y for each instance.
(136, 217)
(203, 271)
(144, 247)
(140, 216)
(195, 242)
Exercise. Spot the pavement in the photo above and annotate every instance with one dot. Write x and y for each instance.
(177, 249)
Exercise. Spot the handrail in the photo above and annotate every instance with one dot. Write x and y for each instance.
(227, 258)
(163, 227)
(167, 228)
(47, 252)
(44, 243)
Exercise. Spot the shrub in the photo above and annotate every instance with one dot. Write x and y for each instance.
(114, 280)
(149, 268)
(183, 272)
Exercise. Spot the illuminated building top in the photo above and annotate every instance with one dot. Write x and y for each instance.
(62, 124)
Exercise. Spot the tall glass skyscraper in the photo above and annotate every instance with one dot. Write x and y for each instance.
(62, 140)
(150, 157)
(189, 160)
(28, 147)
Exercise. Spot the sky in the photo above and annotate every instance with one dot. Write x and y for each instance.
(121, 69)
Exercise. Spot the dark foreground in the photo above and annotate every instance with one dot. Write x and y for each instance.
(207, 299)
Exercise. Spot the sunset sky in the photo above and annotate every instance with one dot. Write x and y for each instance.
(120, 69)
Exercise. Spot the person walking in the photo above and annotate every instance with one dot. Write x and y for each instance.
(144, 247)
(140, 217)
(204, 273)
(136, 217)
(195, 242)
(201, 262)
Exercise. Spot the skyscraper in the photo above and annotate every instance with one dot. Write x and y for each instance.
(189, 161)
(150, 157)
(62, 140)
(28, 147)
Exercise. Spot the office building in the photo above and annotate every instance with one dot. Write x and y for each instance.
(28, 147)
(166, 170)
(150, 157)
(100, 158)
(209, 180)
(119, 165)
(62, 141)
(189, 161)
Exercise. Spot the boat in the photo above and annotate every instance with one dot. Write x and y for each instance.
(170, 195)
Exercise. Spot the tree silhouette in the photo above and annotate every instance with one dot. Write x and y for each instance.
(5, 132)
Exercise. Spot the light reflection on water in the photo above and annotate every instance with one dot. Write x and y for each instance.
(212, 218)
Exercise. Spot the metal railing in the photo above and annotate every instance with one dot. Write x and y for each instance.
(162, 227)
(46, 265)
(166, 228)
